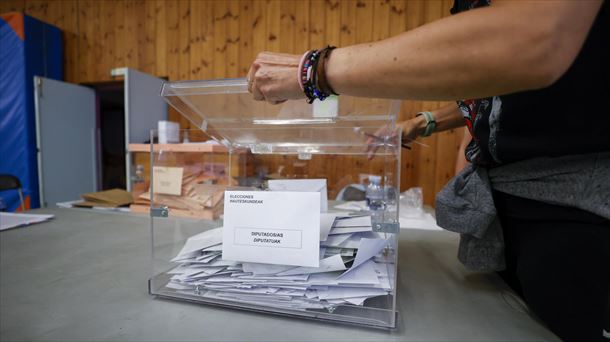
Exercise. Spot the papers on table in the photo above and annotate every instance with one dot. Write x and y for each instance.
(353, 267)
(13, 220)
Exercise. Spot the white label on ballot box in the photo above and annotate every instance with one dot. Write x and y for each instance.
(272, 227)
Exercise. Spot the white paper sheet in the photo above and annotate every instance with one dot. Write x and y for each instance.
(264, 269)
(350, 230)
(272, 227)
(200, 241)
(336, 240)
(302, 185)
(330, 264)
(356, 221)
(326, 223)
(13, 220)
(365, 275)
(367, 249)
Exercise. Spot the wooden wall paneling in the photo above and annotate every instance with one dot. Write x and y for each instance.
(173, 42)
(317, 21)
(397, 17)
(381, 19)
(208, 43)
(221, 12)
(131, 34)
(286, 32)
(69, 25)
(232, 39)
(90, 50)
(332, 26)
(120, 41)
(172, 52)
(53, 13)
(301, 37)
(12, 6)
(161, 29)
(363, 28)
(273, 24)
(200, 19)
(347, 35)
(148, 60)
(246, 19)
(94, 49)
(107, 24)
(433, 10)
(82, 41)
(38, 9)
(259, 27)
(197, 26)
(140, 17)
(415, 13)
(184, 48)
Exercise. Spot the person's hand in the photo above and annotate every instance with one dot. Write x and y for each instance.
(273, 77)
(411, 129)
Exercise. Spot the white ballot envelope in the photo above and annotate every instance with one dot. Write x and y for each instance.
(303, 185)
(272, 227)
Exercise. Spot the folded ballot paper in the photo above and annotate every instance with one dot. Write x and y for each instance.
(302, 185)
(353, 266)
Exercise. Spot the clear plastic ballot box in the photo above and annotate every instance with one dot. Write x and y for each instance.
(244, 145)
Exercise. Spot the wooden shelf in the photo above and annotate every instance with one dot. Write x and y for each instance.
(178, 148)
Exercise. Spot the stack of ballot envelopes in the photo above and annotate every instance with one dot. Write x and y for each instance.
(355, 265)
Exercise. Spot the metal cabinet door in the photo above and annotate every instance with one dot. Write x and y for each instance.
(144, 107)
(66, 140)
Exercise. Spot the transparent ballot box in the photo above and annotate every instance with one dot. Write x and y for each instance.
(254, 146)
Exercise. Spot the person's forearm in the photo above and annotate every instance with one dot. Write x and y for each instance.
(447, 117)
(503, 48)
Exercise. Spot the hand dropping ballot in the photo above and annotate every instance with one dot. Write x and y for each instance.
(272, 227)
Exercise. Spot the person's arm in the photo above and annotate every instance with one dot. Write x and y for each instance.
(506, 47)
(447, 117)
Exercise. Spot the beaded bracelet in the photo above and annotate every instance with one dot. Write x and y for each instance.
(311, 74)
